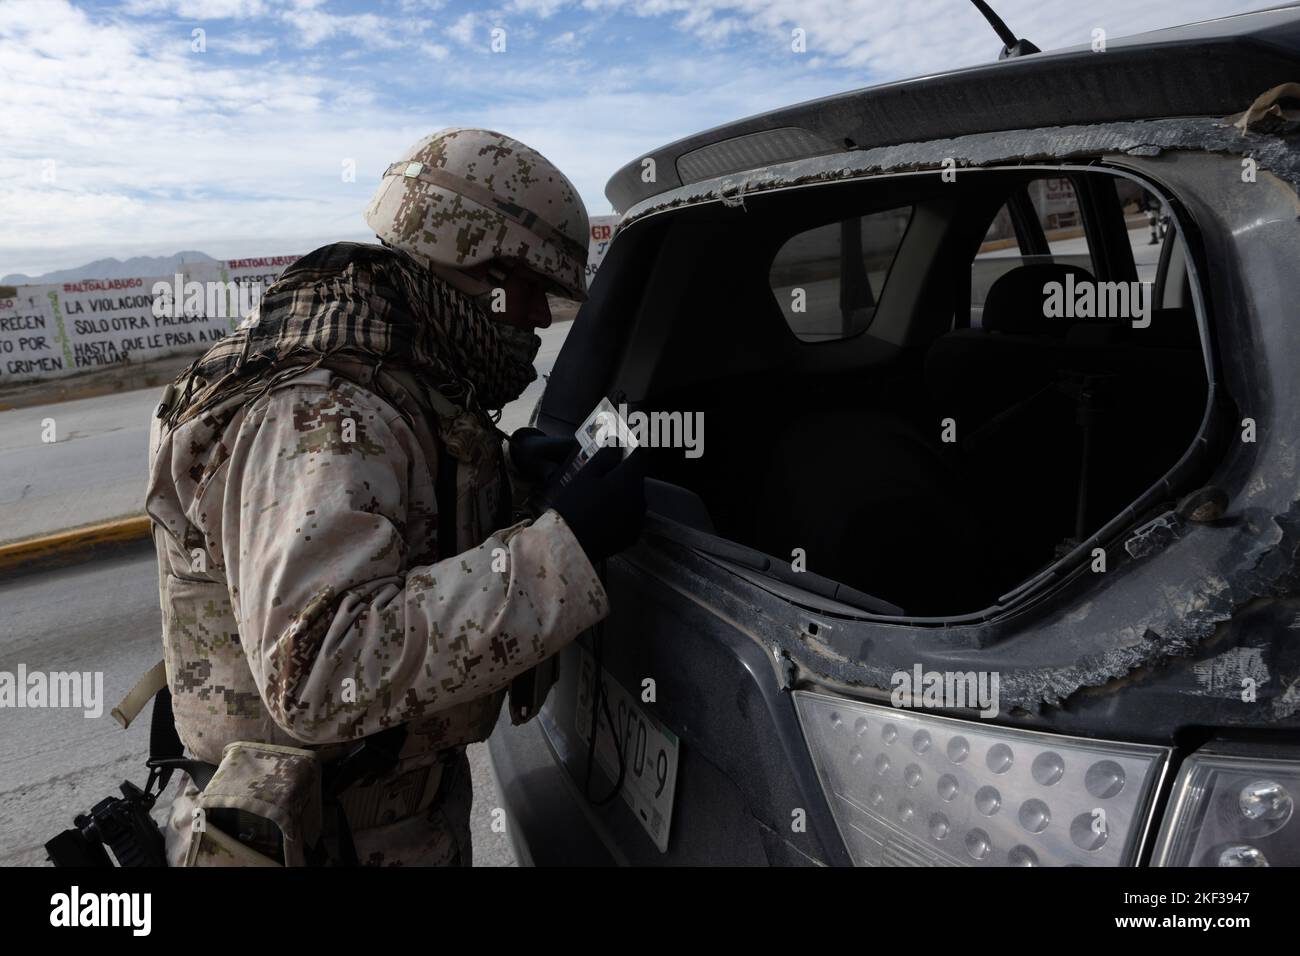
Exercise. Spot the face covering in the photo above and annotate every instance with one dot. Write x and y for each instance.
(521, 345)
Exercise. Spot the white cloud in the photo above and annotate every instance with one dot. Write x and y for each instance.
(148, 146)
(313, 26)
(462, 30)
(158, 149)
(201, 9)
(539, 8)
(894, 40)
(244, 44)
(564, 42)
(309, 22)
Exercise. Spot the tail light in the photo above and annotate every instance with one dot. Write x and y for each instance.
(1233, 809)
(909, 788)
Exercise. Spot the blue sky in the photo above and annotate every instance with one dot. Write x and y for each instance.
(120, 138)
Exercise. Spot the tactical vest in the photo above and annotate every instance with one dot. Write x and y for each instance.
(202, 649)
(217, 709)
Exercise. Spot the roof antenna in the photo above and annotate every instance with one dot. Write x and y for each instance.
(1011, 46)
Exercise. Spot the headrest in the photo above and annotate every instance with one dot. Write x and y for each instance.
(1015, 301)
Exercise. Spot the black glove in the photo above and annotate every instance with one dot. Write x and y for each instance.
(537, 455)
(604, 503)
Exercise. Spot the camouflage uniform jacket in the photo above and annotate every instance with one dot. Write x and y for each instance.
(304, 603)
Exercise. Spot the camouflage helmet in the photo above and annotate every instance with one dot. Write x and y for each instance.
(460, 197)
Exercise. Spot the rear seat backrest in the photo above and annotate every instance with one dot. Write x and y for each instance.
(1149, 383)
(974, 374)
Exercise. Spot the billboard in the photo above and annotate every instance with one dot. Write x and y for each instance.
(602, 232)
(58, 329)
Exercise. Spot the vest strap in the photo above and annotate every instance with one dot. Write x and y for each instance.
(154, 680)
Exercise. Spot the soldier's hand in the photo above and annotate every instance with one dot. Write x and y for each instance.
(537, 455)
(604, 503)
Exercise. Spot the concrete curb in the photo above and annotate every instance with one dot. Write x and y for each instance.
(72, 546)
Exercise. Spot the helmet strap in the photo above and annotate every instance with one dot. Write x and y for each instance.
(458, 279)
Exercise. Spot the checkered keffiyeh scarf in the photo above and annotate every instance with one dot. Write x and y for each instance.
(362, 301)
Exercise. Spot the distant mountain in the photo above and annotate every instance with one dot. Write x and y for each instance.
(114, 269)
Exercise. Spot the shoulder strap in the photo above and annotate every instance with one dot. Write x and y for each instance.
(447, 491)
(166, 752)
(154, 680)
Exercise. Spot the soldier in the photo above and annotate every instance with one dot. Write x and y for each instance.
(332, 511)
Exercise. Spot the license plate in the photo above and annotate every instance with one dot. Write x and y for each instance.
(649, 750)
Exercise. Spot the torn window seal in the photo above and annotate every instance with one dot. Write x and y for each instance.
(1083, 144)
(1173, 607)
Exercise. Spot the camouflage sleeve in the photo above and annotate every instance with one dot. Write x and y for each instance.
(342, 637)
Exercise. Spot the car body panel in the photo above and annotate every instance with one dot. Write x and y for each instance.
(744, 770)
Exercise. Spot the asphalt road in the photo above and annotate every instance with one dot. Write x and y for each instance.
(55, 763)
(103, 617)
(94, 470)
